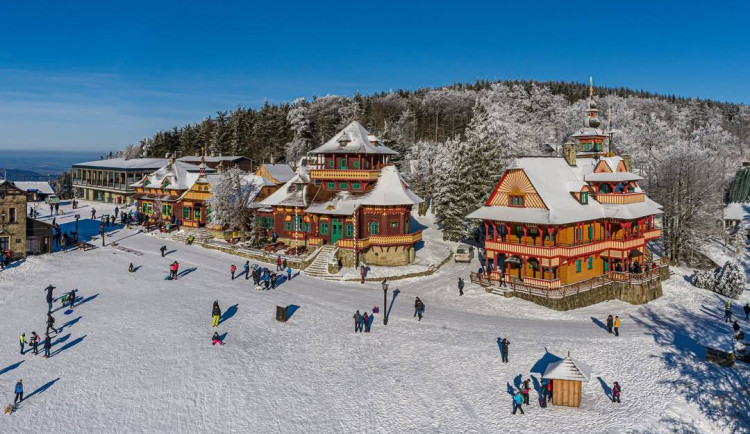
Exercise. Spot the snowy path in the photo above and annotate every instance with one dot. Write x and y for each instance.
(137, 357)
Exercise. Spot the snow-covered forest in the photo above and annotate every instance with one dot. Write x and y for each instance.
(455, 141)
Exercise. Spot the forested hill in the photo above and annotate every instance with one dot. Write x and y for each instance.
(428, 114)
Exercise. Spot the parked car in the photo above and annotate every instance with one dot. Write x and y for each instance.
(52, 199)
(463, 253)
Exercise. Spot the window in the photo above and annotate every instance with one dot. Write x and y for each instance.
(330, 164)
(514, 200)
(287, 226)
(591, 263)
(355, 164)
(11, 215)
(591, 232)
(356, 185)
(323, 228)
(349, 230)
(394, 223)
(584, 198)
(342, 164)
(196, 213)
(367, 164)
(343, 185)
(578, 265)
(186, 213)
(298, 223)
(263, 222)
(299, 187)
(373, 228)
(331, 185)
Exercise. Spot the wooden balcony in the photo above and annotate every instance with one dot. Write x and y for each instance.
(564, 251)
(620, 199)
(345, 175)
(349, 243)
(652, 234)
(395, 240)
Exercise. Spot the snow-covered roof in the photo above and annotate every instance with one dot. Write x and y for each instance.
(210, 159)
(252, 181)
(123, 164)
(343, 203)
(568, 369)
(41, 187)
(554, 180)
(357, 142)
(391, 189)
(179, 175)
(588, 132)
(292, 193)
(733, 211)
(279, 172)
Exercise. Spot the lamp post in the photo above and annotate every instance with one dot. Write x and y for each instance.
(78, 216)
(385, 301)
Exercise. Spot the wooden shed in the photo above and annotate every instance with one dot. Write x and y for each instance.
(567, 377)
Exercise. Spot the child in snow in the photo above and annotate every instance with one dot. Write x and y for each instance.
(131, 268)
(51, 323)
(728, 311)
(288, 273)
(616, 393)
(232, 269)
(747, 311)
(504, 345)
(216, 313)
(163, 250)
(517, 402)
(216, 339)
(273, 280)
(19, 392)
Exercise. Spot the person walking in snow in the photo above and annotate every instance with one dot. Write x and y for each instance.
(35, 342)
(609, 324)
(267, 279)
(163, 250)
(246, 270)
(736, 326)
(747, 311)
(517, 402)
(47, 345)
(616, 393)
(117, 211)
(23, 341)
(460, 286)
(288, 273)
(216, 339)
(93, 214)
(72, 298)
(366, 322)
(504, 344)
(357, 322)
(216, 313)
(49, 297)
(233, 269)
(284, 264)
(525, 391)
(617, 325)
(51, 323)
(362, 272)
(273, 280)
(278, 263)
(19, 392)
(418, 308)
(131, 269)
(728, 311)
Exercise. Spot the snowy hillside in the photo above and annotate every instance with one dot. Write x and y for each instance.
(136, 354)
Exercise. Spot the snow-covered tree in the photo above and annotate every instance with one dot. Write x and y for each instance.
(231, 200)
(728, 280)
(738, 241)
(299, 120)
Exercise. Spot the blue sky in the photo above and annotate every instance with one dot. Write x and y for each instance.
(99, 75)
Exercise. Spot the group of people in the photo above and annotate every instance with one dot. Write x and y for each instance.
(613, 324)
(174, 268)
(216, 315)
(4, 258)
(364, 322)
(728, 311)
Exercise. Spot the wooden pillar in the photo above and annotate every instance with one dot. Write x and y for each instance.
(523, 240)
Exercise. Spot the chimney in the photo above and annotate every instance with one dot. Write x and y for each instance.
(628, 163)
(569, 152)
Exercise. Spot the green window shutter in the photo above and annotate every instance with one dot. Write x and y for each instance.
(330, 163)
(144, 207)
(394, 223)
(331, 185)
(342, 164)
(186, 213)
(349, 230)
(164, 209)
(584, 198)
(373, 228)
(578, 265)
(324, 229)
(262, 222)
(591, 262)
(356, 164)
(270, 222)
(307, 227)
(287, 226)
(196, 214)
(591, 232)
(356, 185)
(343, 185)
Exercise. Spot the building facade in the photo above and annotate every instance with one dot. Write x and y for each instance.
(352, 196)
(111, 180)
(12, 219)
(554, 221)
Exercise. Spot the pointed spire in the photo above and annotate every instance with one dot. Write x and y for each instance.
(203, 163)
(591, 87)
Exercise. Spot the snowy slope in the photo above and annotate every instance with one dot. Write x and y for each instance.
(138, 356)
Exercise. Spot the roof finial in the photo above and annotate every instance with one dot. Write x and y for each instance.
(355, 110)
(591, 86)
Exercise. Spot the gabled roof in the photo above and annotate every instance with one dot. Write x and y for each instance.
(568, 369)
(179, 175)
(554, 179)
(357, 142)
(279, 172)
(33, 186)
(391, 189)
(293, 193)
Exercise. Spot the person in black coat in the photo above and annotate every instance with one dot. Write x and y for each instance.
(51, 323)
(47, 345)
(747, 311)
(216, 313)
(610, 322)
(163, 250)
(504, 345)
(736, 326)
(49, 297)
(460, 286)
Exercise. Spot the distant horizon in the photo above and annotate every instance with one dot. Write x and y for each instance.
(90, 81)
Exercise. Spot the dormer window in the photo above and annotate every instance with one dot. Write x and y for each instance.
(584, 198)
(344, 140)
(515, 200)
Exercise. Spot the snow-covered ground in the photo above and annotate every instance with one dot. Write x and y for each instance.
(135, 355)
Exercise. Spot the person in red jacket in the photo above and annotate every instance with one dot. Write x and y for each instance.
(525, 391)
(233, 269)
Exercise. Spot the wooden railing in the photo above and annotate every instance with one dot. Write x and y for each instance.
(381, 240)
(568, 251)
(345, 175)
(652, 233)
(620, 198)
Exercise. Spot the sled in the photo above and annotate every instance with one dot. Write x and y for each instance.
(10, 408)
(68, 312)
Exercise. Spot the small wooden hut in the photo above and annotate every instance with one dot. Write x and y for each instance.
(567, 377)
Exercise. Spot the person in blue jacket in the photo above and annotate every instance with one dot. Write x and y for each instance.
(517, 402)
(19, 392)
(288, 273)
(246, 270)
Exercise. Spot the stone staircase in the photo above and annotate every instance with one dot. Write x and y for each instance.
(201, 235)
(319, 267)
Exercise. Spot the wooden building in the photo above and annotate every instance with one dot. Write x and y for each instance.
(12, 219)
(111, 180)
(222, 162)
(554, 221)
(567, 377)
(352, 196)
